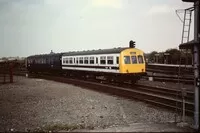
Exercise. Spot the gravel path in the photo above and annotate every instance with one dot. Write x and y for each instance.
(37, 105)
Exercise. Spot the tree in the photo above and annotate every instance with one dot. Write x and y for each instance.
(174, 55)
(150, 56)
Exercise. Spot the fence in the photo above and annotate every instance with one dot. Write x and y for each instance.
(6, 72)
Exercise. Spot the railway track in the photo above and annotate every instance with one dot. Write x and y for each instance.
(159, 96)
(187, 79)
(170, 92)
(156, 77)
(170, 79)
(171, 73)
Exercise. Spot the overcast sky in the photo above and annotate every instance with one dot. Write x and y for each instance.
(38, 26)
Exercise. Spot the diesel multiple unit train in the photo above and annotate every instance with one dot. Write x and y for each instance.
(117, 64)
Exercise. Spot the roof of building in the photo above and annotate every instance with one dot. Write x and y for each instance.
(189, 0)
(188, 45)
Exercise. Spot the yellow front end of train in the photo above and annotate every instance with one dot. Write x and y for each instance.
(132, 61)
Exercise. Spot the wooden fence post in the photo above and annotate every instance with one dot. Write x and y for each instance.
(4, 73)
(11, 72)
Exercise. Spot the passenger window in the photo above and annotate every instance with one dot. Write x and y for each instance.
(76, 60)
(109, 59)
(117, 60)
(81, 60)
(134, 59)
(47, 60)
(91, 60)
(103, 60)
(86, 60)
(52, 60)
(97, 60)
(127, 60)
(71, 61)
(140, 59)
(44, 61)
(66, 60)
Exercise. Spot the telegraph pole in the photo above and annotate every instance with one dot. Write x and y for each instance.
(195, 46)
(196, 63)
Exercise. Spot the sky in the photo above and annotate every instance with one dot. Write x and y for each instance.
(29, 27)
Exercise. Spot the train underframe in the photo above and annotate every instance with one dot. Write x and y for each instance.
(102, 76)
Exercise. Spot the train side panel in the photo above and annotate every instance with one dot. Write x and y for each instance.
(44, 63)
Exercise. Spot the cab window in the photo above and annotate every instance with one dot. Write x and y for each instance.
(134, 59)
(140, 59)
(127, 60)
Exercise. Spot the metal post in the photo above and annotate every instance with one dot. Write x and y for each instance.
(183, 123)
(196, 64)
(184, 93)
(11, 72)
(4, 72)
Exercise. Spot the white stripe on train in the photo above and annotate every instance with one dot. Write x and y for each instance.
(91, 69)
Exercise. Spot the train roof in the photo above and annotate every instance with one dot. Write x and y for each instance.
(95, 52)
(88, 52)
(45, 55)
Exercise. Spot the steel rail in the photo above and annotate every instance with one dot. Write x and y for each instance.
(142, 95)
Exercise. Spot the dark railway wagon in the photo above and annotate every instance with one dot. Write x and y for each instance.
(45, 63)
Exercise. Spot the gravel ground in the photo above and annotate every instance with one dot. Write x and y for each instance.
(38, 105)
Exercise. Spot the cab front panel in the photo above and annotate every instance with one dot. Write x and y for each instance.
(132, 61)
